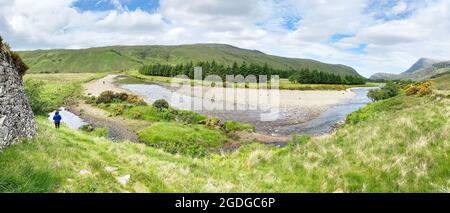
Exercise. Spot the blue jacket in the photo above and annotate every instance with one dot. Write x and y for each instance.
(57, 118)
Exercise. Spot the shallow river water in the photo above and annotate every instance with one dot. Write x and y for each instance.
(319, 125)
(69, 119)
(325, 122)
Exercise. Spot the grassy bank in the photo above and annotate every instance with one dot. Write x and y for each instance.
(284, 83)
(397, 145)
(57, 87)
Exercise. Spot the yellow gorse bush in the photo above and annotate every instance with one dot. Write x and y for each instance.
(419, 89)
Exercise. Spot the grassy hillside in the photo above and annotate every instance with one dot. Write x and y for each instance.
(117, 58)
(397, 145)
(442, 82)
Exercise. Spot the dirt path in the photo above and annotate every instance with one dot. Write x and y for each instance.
(120, 129)
(94, 88)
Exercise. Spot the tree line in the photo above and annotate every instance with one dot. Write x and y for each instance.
(245, 69)
(306, 76)
(213, 68)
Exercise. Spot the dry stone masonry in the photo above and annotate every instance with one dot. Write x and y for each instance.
(16, 117)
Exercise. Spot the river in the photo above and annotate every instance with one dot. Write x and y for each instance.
(326, 120)
(283, 126)
(69, 119)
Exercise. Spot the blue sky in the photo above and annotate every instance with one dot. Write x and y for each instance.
(291, 22)
(370, 35)
(107, 5)
(339, 36)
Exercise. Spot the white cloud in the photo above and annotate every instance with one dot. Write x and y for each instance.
(399, 8)
(392, 44)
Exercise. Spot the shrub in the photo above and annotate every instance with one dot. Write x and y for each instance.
(423, 91)
(391, 89)
(161, 104)
(90, 100)
(234, 126)
(87, 128)
(388, 91)
(377, 95)
(419, 89)
(111, 97)
(136, 100)
(411, 89)
(136, 115)
(106, 97)
(33, 90)
(21, 66)
(121, 96)
(189, 117)
(212, 122)
(6, 46)
(118, 109)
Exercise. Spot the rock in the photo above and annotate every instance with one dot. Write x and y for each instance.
(339, 191)
(84, 172)
(16, 117)
(110, 169)
(124, 179)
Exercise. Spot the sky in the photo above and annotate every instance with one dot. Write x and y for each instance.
(368, 35)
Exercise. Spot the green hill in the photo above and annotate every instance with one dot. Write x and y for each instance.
(115, 58)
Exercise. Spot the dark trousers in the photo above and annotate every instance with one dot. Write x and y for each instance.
(57, 125)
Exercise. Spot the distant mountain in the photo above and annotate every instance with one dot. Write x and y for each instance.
(385, 76)
(423, 69)
(422, 63)
(114, 58)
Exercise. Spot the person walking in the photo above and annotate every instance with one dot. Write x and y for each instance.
(57, 119)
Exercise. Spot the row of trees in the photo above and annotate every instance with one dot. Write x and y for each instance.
(213, 68)
(306, 76)
(244, 69)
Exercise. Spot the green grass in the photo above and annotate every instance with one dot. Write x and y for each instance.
(195, 140)
(119, 58)
(57, 87)
(442, 82)
(234, 126)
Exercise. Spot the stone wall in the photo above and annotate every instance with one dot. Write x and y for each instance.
(16, 117)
